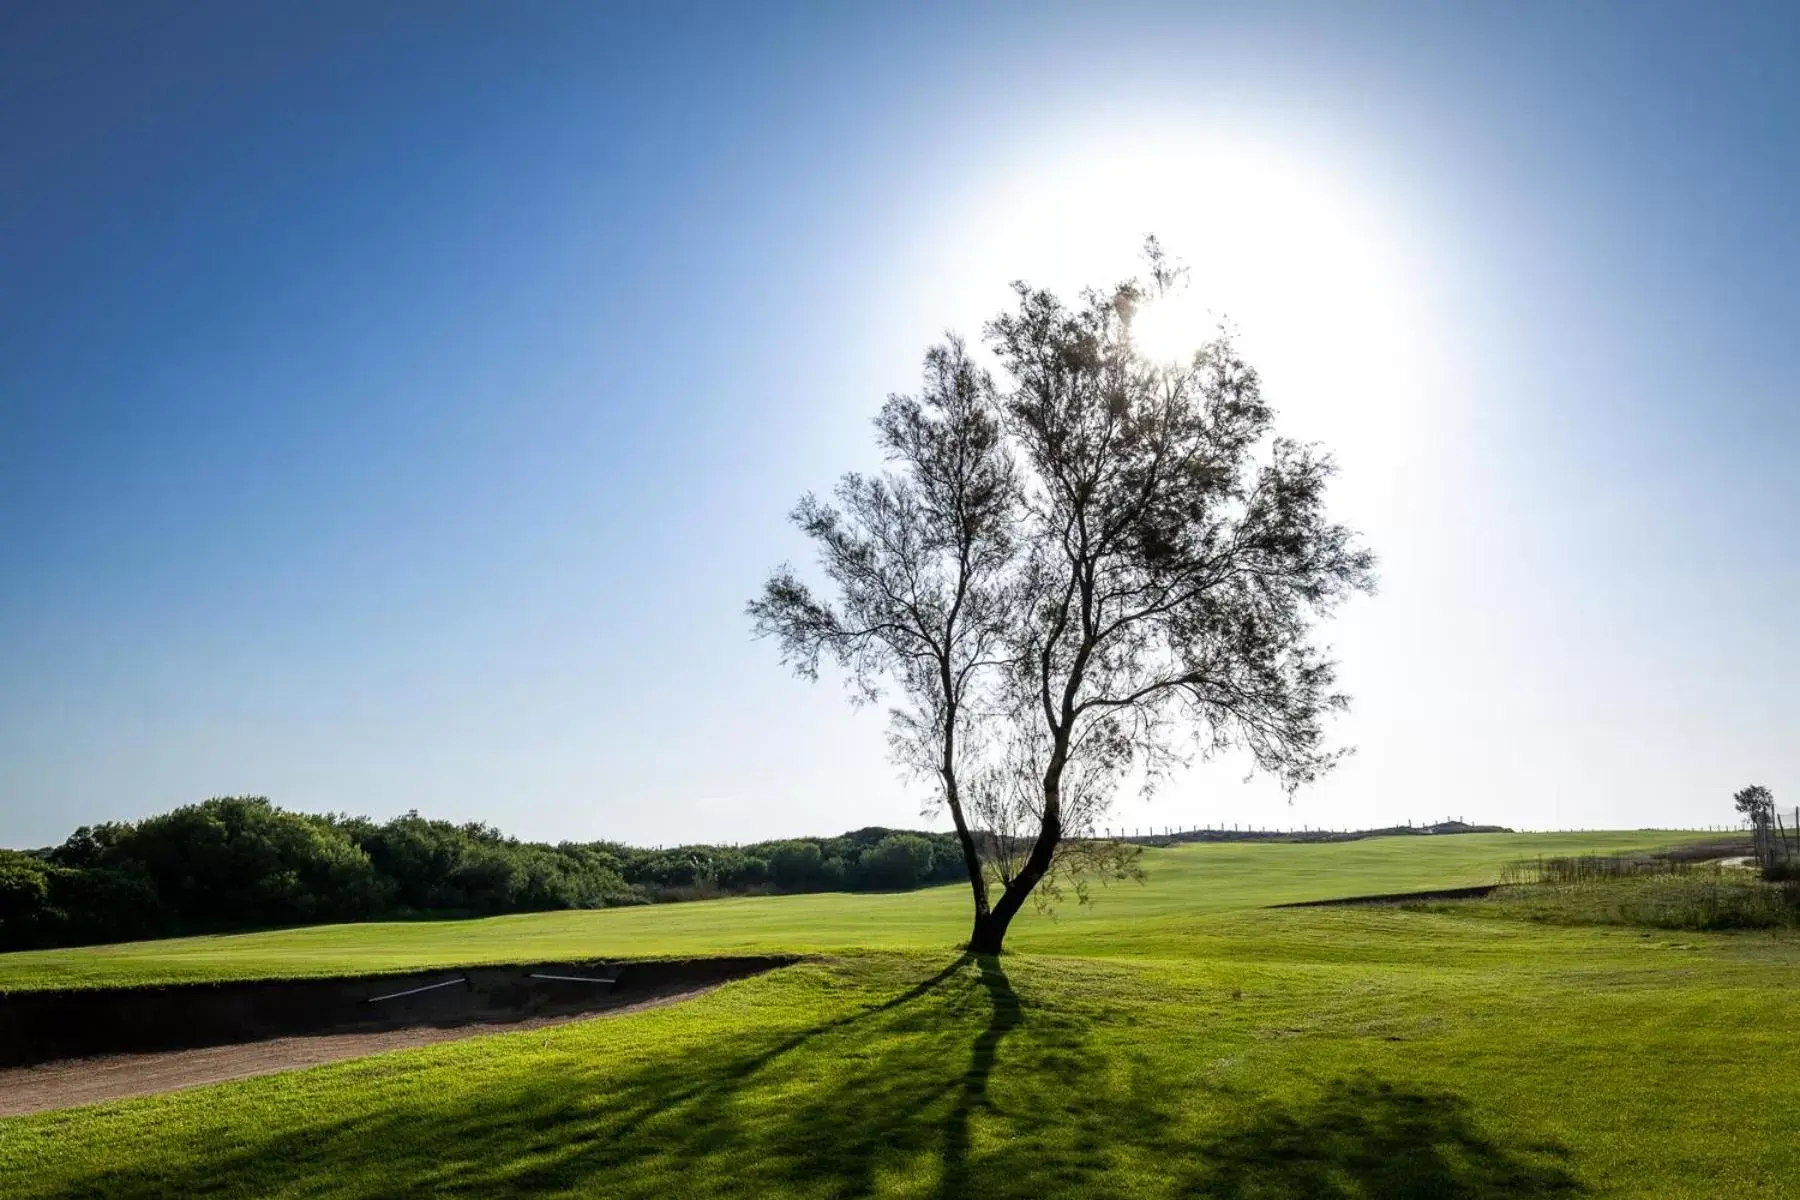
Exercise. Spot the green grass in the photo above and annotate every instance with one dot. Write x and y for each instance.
(1186, 886)
(1178, 1040)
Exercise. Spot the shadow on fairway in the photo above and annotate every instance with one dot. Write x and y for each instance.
(1362, 1138)
(905, 1092)
(973, 1097)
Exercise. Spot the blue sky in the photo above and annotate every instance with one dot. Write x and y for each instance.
(399, 402)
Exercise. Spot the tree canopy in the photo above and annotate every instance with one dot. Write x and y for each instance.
(1755, 802)
(1094, 567)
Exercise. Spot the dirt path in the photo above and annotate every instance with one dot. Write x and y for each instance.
(80, 1081)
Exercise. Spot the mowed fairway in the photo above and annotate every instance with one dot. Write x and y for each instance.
(1184, 884)
(1177, 1039)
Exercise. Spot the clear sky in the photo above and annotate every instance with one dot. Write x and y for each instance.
(399, 402)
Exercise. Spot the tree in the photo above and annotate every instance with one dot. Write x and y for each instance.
(1757, 803)
(920, 559)
(1098, 570)
(897, 862)
(797, 865)
(24, 898)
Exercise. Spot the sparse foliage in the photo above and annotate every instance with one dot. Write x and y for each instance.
(921, 560)
(1097, 569)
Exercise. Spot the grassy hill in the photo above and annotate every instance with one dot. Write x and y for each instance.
(1179, 1039)
(1184, 884)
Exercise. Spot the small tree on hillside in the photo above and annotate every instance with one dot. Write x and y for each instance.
(1757, 803)
(1138, 583)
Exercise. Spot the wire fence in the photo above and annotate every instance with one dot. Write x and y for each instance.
(1166, 834)
(1777, 844)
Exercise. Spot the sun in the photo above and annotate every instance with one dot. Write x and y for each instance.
(1296, 246)
(1285, 243)
(1169, 328)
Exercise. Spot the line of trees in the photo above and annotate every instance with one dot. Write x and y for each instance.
(234, 863)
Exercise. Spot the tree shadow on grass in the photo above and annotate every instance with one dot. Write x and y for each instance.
(1365, 1138)
(952, 1087)
(973, 1094)
(829, 1110)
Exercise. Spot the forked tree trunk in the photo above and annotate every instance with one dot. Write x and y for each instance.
(989, 934)
(983, 917)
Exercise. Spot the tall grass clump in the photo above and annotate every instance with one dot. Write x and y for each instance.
(1588, 868)
(1645, 890)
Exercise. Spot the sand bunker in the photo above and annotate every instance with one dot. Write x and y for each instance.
(81, 1046)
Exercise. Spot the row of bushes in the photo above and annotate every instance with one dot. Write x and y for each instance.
(242, 863)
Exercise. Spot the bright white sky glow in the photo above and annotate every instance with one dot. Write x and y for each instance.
(400, 419)
(1323, 289)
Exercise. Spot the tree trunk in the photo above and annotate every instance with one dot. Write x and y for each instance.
(977, 879)
(971, 855)
(990, 933)
(990, 928)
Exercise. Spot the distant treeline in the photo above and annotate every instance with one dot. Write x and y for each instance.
(242, 863)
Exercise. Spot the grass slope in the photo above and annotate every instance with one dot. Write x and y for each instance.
(1186, 883)
(1178, 1041)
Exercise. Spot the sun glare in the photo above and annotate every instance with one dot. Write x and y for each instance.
(1292, 245)
(1169, 328)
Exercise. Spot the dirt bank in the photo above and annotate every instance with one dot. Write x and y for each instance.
(73, 1082)
(44, 1026)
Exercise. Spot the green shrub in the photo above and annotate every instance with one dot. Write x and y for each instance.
(797, 866)
(24, 897)
(897, 862)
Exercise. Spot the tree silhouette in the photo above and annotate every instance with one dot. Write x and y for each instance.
(1101, 565)
(1758, 804)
